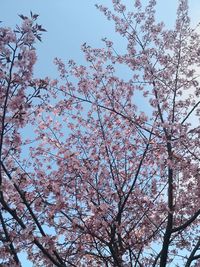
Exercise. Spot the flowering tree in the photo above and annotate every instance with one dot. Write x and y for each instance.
(107, 181)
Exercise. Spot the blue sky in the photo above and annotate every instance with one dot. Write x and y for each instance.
(70, 23)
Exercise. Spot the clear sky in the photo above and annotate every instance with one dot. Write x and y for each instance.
(70, 23)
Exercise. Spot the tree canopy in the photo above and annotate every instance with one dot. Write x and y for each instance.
(101, 179)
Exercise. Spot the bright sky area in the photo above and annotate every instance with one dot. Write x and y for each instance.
(70, 23)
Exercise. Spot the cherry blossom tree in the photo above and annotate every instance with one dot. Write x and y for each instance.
(103, 180)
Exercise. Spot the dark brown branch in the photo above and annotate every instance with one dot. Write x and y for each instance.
(9, 241)
(195, 106)
(192, 256)
(22, 195)
(187, 223)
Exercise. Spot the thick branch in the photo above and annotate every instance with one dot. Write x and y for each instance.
(187, 223)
